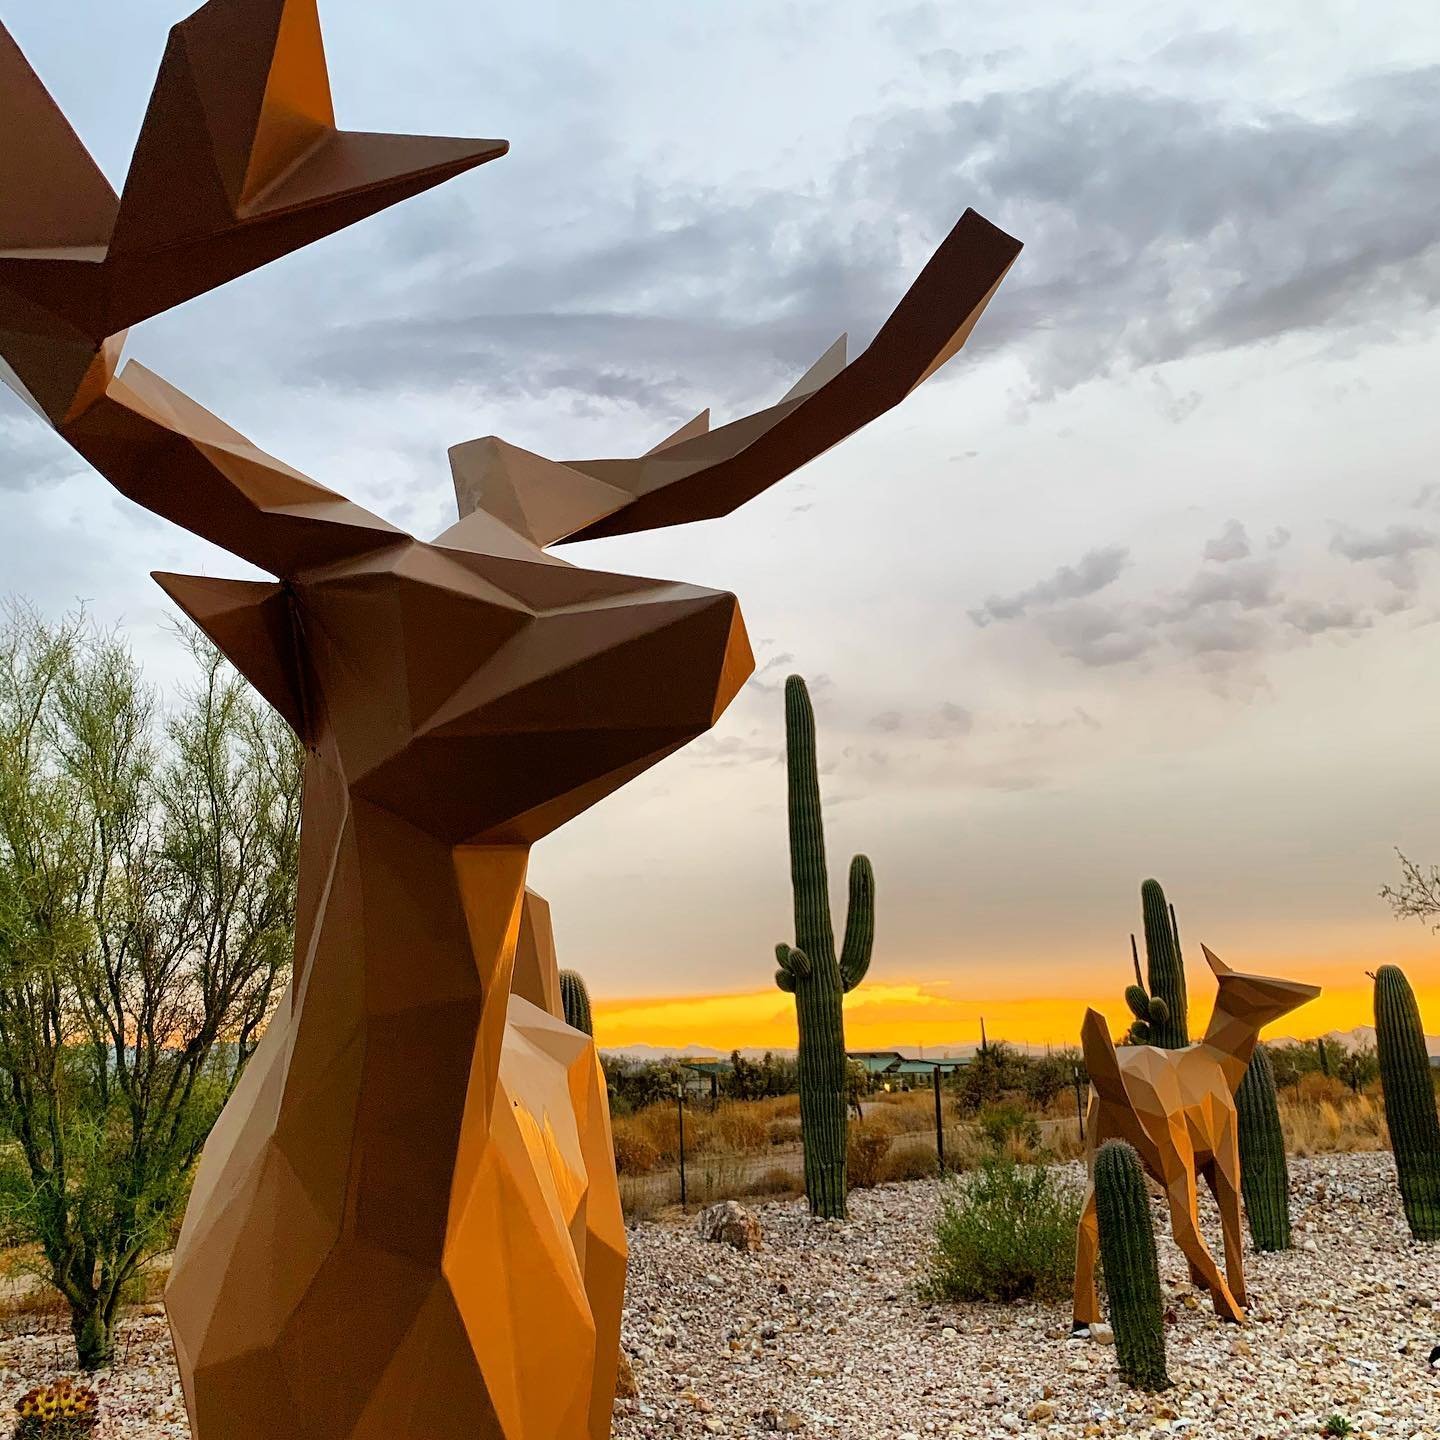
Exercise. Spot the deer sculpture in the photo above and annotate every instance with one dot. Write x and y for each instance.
(1177, 1108)
(406, 1222)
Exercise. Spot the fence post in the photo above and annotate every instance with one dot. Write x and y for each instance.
(680, 1107)
(939, 1123)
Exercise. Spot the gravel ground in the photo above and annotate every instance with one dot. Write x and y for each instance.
(820, 1334)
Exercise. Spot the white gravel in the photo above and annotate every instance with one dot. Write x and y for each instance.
(821, 1334)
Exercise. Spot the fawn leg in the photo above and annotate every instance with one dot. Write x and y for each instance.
(1087, 1248)
(1223, 1186)
(1185, 1226)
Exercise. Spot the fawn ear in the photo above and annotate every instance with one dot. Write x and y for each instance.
(251, 624)
(1220, 968)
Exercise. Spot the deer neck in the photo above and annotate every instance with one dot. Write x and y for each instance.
(1232, 1042)
(404, 952)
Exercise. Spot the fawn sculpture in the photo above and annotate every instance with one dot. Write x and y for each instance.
(406, 1222)
(1177, 1108)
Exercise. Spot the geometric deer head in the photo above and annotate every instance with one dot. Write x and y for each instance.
(418, 1173)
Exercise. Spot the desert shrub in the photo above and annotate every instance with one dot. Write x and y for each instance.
(741, 1128)
(1046, 1077)
(1005, 1233)
(635, 1154)
(1009, 1122)
(62, 1411)
(777, 1180)
(784, 1130)
(1318, 1089)
(909, 1159)
(865, 1150)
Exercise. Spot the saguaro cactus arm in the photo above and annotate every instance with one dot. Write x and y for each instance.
(859, 924)
(794, 966)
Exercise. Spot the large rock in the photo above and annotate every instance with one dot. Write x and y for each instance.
(730, 1224)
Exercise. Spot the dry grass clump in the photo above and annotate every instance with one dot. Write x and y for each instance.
(1325, 1118)
(866, 1146)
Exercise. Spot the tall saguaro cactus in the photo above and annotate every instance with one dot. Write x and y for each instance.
(810, 969)
(1409, 1100)
(1132, 1276)
(1264, 1174)
(1166, 968)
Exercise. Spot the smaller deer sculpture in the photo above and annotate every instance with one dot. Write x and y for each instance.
(1177, 1108)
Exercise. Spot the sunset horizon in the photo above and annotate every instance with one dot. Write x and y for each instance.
(936, 1013)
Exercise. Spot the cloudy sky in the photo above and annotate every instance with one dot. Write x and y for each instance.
(1145, 583)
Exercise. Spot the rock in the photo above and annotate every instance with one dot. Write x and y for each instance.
(731, 1224)
(626, 1386)
(1041, 1410)
(1102, 1334)
(787, 1422)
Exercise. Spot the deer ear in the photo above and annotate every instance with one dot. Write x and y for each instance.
(251, 624)
(1220, 968)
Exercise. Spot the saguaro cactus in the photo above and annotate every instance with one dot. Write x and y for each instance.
(1264, 1175)
(576, 1000)
(810, 969)
(1409, 1100)
(1166, 968)
(1132, 1276)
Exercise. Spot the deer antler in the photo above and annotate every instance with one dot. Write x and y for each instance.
(239, 162)
(699, 473)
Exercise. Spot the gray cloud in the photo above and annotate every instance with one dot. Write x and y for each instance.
(1316, 617)
(1232, 543)
(1393, 553)
(1093, 572)
(1156, 227)
(1096, 635)
(1224, 615)
(1248, 584)
(1394, 542)
(30, 454)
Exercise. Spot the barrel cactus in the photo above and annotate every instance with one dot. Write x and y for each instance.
(1409, 1089)
(1264, 1175)
(810, 969)
(1166, 969)
(576, 1000)
(1132, 1276)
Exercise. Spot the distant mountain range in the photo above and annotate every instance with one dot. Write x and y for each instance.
(1360, 1038)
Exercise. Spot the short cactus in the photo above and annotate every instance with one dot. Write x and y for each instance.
(576, 1000)
(1406, 1079)
(1264, 1174)
(1150, 1012)
(61, 1411)
(1132, 1276)
(811, 971)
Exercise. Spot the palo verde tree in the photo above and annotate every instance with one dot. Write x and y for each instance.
(147, 889)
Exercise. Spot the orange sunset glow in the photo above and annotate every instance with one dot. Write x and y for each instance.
(937, 1014)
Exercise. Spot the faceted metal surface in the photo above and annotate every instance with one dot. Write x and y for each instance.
(1177, 1108)
(406, 1224)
